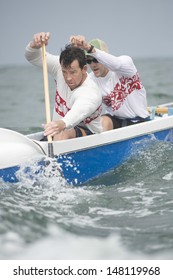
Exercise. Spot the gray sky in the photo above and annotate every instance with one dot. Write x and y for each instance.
(139, 28)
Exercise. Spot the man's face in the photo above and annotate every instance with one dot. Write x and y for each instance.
(73, 74)
(98, 69)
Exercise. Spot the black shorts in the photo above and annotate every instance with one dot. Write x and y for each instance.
(117, 123)
(82, 131)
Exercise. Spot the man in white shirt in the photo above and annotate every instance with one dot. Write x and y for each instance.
(78, 100)
(123, 95)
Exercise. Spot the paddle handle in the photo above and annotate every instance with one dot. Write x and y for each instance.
(159, 110)
(46, 89)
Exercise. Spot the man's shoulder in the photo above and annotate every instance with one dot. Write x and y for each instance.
(126, 58)
(89, 86)
(90, 81)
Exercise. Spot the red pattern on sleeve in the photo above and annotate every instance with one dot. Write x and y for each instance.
(60, 105)
(121, 90)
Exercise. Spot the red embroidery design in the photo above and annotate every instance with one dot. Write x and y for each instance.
(95, 115)
(62, 109)
(60, 105)
(121, 90)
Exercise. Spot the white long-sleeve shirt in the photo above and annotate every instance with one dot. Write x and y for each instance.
(122, 91)
(79, 106)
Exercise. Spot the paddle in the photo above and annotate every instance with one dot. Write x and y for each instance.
(161, 110)
(47, 100)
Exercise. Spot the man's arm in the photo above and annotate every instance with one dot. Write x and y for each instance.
(33, 53)
(123, 64)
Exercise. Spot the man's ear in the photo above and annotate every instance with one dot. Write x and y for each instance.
(85, 68)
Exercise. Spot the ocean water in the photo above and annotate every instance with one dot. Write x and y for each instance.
(125, 214)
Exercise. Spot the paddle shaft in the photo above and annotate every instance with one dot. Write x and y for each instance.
(47, 99)
(159, 110)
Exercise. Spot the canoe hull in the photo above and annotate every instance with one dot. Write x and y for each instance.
(81, 165)
(101, 159)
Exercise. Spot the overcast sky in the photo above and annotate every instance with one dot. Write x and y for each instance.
(139, 28)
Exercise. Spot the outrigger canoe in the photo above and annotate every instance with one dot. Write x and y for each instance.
(81, 160)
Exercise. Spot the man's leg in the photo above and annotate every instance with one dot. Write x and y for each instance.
(65, 134)
(110, 122)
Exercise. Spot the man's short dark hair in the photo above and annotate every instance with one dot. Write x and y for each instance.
(71, 53)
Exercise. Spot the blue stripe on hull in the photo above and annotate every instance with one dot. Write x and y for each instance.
(9, 174)
(82, 166)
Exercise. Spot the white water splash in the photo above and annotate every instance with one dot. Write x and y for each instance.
(63, 245)
(168, 177)
(32, 172)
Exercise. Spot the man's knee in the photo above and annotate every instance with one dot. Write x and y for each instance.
(106, 123)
